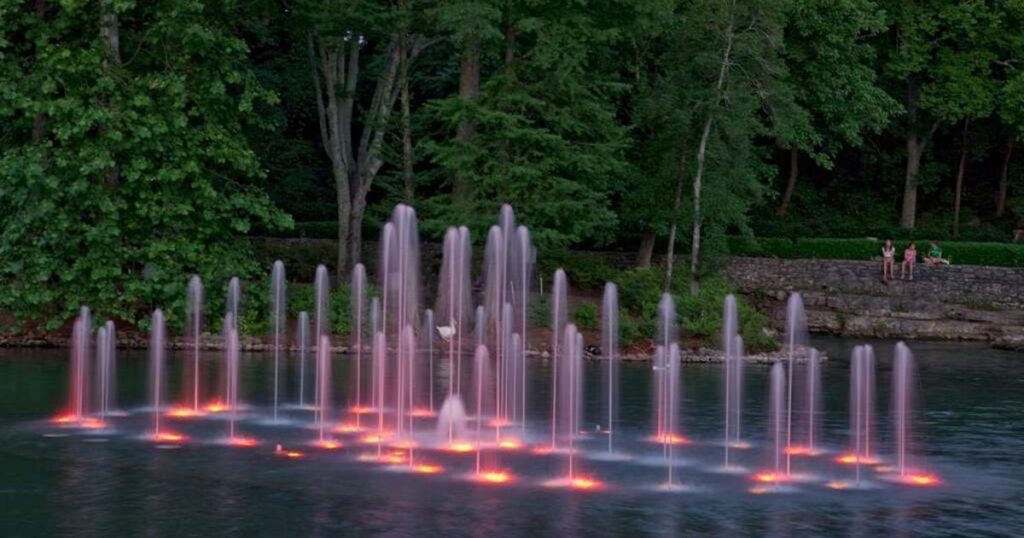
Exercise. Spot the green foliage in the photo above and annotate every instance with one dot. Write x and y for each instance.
(586, 270)
(140, 174)
(586, 316)
(959, 253)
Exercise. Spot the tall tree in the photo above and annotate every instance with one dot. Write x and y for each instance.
(345, 37)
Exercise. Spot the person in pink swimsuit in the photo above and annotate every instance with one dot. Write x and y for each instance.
(909, 257)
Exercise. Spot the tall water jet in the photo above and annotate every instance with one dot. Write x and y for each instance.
(278, 322)
(231, 359)
(571, 391)
(610, 350)
(157, 340)
(732, 345)
(796, 339)
(193, 335)
(234, 299)
(481, 374)
(777, 419)
(559, 319)
(666, 370)
(380, 365)
(862, 403)
(399, 286)
(903, 383)
(524, 271)
(480, 327)
(323, 385)
(454, 300)
(80, 365)
(303, 344)
(321, 325)
(429, 329)
(359, 327)
(106, 367)
(812, 396)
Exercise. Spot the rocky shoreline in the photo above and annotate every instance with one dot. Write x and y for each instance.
(254, 344)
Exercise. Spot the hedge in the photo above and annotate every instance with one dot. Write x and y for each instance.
(958, 252)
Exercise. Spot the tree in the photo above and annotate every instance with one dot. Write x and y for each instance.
(831, 65)
(546, 137)
(724, 83)
(139, 172)
(940, 57)
(340, 34)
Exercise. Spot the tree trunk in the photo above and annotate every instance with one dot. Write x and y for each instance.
(697, 224)
(646, 250)
(344, 222)
(670, 253)
(469, 89)
(354, 243)
(407, 157)
(914, 151)
(960, 181)
(1003, 175)
(794, 170)
(701, 153)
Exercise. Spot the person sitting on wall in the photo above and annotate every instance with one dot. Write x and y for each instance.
(888, 259)
(1018, 232)
(934, 256)
(909, 257)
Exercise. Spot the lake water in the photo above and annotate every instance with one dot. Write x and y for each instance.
(56, 482)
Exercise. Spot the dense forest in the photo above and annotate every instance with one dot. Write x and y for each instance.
(144, 141)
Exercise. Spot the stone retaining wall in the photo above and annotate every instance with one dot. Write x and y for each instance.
(850, 298)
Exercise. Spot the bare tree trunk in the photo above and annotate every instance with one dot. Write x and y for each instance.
(670, 253)
(469, 89)
(1003, 175)
(787, 195)
(646, 250)
(697, 221)
(701, 154)
(960, 181)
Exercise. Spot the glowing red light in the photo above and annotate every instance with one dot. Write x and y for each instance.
(461, 447)
(425, 468)
(493, 477)
(183, 412)
(769, 477)
(361, 410)
(510, 443)
(168, 437)
(920, 479)
(327, 444)
(347, 428)
(290, 454)
(542, 450)
(374, 438)
(670, 439)
(499, 423)
(422, 412)
(65, 419)
(93, 424)
(244, 442)
(853, 459)
(405, 445)
(585, 483)
(216, 406)
(799, 450)
(838, 484)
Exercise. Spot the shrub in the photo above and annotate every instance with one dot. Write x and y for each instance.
(586, 270)
(586, 316)
(959, 252)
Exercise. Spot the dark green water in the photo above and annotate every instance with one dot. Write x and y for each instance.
(970, 433)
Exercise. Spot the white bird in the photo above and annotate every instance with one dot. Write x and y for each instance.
(447, 331)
